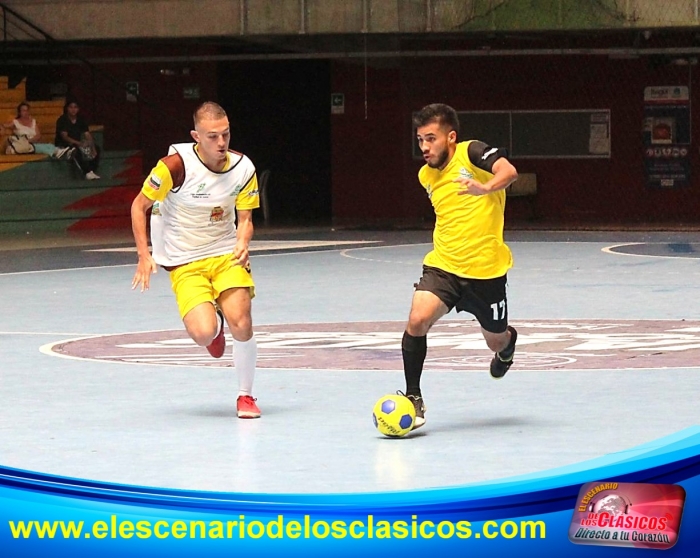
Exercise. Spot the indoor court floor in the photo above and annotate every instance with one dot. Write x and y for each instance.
(101, 382)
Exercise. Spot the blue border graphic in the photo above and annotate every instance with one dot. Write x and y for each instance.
(481, 519)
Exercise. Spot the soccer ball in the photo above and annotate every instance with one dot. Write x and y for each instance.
(394, 415)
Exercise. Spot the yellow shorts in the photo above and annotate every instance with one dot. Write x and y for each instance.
(204, 281)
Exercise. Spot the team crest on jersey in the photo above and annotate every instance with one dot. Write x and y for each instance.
(464, 173)
(154, 181)
(155, 210)
(217, 215)
(429, 189)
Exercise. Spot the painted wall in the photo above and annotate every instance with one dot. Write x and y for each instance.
(164, 113)
(371, 176)
(278, 111)
(374, 174)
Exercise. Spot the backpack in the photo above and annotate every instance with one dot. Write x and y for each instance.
(20, 145)
(88, 150)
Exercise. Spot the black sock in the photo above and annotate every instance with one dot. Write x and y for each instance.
(413, 350)
(507, 353)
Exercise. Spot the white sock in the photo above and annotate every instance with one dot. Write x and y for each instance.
(245, 354)
(219, 321)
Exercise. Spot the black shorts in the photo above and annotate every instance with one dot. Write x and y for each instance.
(484, 298)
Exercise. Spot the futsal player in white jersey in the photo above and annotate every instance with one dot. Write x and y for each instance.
(201, 226)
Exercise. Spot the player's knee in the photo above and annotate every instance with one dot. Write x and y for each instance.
(202, 332)
(418, 324)
(203, 336)
(242, 334)
(241, 328)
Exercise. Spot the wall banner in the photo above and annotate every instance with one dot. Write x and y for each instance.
(667, 136)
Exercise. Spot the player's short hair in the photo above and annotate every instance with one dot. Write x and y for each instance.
(208, 111)
(444, 115)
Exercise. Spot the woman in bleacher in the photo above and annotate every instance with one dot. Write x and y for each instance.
(25, 125)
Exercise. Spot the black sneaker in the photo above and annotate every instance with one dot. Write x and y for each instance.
(502, 361)
(419, 406)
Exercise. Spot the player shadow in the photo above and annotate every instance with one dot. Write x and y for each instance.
(477, 424)
(411, 435)
(221, 411)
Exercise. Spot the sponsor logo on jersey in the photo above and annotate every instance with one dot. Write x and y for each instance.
(199, 194)
(488, 153)
(464, 173)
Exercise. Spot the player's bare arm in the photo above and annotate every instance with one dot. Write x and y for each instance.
(146, 265)
(504, 174)
(244, 234)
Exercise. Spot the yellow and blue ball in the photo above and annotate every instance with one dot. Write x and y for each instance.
(394, 415)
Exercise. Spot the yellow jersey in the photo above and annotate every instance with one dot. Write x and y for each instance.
(468, 236)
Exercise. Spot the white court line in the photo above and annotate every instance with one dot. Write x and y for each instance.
(253, 252)
(78, 335)
(610, 250)
(262, 245)
(65, 269)
(346, 253)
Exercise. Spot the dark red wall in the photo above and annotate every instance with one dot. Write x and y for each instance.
(163, 116)
(374, 174)
(368, 145)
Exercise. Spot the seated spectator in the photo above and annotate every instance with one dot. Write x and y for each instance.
(25, 125)
(72, 130)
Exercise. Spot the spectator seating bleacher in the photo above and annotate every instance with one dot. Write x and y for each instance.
(39, 193)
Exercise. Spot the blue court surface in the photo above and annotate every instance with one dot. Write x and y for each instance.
(101, 382)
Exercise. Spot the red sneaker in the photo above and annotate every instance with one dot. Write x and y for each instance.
(217, 347)
(247, 407)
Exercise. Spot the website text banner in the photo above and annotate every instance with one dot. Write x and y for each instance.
(45, 515)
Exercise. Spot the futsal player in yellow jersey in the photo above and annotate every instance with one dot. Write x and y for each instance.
(200, 234)
(467, 267)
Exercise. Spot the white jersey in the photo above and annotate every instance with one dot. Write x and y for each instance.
(194, 214)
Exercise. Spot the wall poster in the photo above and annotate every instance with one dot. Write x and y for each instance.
(667, 136)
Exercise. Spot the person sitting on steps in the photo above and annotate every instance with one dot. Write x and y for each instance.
(25, 125)
(72, 130)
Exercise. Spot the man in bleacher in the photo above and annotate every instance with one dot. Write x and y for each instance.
(72, 130)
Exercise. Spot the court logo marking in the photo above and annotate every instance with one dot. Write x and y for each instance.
(452, 346)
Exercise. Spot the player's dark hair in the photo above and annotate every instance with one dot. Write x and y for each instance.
(444, 115)
(70, 101)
